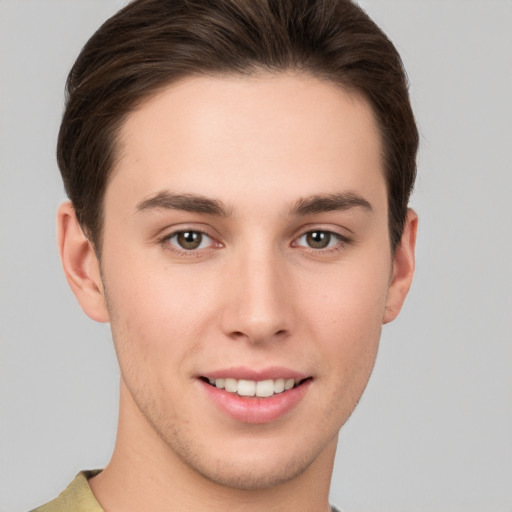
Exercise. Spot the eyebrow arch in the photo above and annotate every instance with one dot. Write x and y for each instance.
(329, 202)
(187, 202)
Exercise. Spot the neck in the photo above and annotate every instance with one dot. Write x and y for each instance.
(146, 474)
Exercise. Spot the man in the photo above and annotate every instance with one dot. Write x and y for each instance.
(238, 175)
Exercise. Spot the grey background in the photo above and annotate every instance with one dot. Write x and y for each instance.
(434, 429)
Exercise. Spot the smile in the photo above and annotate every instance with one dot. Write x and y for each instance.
(260, 388)
(256, 397)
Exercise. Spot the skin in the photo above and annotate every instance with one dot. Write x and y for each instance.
(254, 294)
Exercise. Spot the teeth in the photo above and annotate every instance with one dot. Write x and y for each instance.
(288, 384)
(278, 385)
(246, 388)
(261, 388)
(231, 385)
(265, 388)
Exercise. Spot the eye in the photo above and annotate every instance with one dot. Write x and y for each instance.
(319, 239)
(189, 240)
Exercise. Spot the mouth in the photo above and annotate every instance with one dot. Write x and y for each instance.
(256, 396)
(252, 388)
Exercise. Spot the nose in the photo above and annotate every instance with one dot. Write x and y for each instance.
(258, 305)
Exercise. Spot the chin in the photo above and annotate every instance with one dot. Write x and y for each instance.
(246, 473)
(249, 463)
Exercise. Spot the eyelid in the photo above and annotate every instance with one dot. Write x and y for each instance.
(165, 238)
(342, 239)
(199, 227)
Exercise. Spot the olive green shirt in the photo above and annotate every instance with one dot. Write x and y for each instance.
(78, 497)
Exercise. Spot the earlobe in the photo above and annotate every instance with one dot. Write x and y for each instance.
(403, 269)
(80, 264)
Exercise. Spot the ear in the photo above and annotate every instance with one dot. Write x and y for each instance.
(403, 269)
(80, 264)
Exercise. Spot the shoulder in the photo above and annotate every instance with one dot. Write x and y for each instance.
(77, 497)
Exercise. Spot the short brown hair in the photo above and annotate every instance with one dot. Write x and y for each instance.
(150, 43)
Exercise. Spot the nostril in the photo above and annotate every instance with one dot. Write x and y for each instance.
(259, 335)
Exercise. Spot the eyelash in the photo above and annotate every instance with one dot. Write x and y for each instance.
(341, 242)
(166, 242)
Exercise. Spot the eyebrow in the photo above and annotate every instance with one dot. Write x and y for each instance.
(186, 202)
(318, 203)
(329, 202)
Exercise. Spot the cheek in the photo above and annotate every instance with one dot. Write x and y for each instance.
(347, 323)
(352, 298)
(346, 318)
(157, 317)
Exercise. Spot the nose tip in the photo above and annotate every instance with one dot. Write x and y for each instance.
(258, 309)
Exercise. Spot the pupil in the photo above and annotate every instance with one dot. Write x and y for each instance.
(190, 239)
(318, 239)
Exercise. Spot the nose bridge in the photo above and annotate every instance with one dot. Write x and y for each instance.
(258, 309)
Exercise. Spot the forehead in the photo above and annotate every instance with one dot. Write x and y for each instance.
(272, 132)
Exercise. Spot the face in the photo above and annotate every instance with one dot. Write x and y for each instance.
(246, 268)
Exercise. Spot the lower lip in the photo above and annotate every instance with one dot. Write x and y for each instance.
(254, 409)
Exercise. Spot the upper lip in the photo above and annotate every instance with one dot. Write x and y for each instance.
(247, 373)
